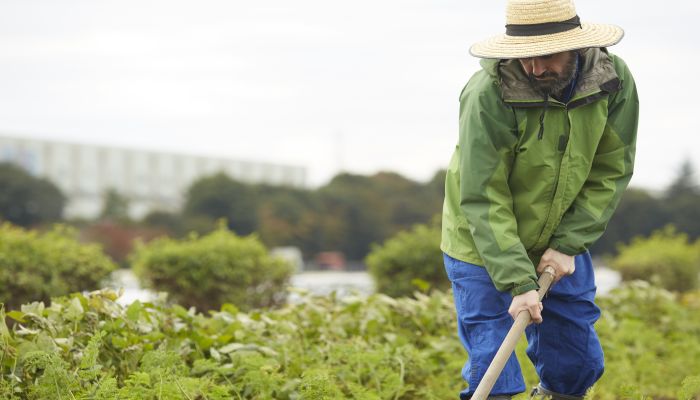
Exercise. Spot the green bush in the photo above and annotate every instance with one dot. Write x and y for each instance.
(218, 268)
(665, 259)
(408, 261)
(36, 266)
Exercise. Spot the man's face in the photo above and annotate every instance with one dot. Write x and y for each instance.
(551, 73)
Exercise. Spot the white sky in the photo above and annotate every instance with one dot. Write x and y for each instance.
(362, 85)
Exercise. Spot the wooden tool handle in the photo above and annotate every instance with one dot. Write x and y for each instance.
(511, 340)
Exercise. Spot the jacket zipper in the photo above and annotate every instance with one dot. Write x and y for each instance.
(555, 188)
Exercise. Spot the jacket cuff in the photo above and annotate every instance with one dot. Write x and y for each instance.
(532, 285)
(562, 248)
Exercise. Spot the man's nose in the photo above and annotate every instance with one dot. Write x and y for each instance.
(538, 67)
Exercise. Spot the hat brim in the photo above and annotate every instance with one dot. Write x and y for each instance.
(589, 35)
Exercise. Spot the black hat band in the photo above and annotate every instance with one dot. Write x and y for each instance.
(546, 28)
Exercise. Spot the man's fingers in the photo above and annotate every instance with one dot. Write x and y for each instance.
(514, 312)
(563, 264)
(528, 302)
(536, 313)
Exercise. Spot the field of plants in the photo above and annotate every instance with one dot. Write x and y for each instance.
(227, 332)
(90, 347)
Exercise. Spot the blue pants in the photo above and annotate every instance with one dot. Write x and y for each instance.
(564, 348)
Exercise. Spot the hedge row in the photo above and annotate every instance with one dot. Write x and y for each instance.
(221, 267)
(199, 271)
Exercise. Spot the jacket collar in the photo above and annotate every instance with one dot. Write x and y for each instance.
(598, 77)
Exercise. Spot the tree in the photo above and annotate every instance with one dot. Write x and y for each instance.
(355, 215)
(172, 222)
(437, 183)
(639, 213)
(26, 200)
(289, 217)
(115, 206)
(219, 196)
(682, 201)
(409, 202)
(685, 183)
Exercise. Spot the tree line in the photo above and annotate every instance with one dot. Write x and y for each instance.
(348, 214)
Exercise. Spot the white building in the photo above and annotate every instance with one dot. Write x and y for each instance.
(150, 180)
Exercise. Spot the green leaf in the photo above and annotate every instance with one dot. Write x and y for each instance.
(134, 311)
(231, 347)
(422, 285)
(229, 308)
(119, 342)
(17, 316)
(75, 310)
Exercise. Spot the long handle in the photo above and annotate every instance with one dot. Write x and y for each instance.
(511, 340)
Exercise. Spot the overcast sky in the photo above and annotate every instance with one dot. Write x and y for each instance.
(362, 85)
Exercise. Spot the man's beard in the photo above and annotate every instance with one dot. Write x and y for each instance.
(554, 83)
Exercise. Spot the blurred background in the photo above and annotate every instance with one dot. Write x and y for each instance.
(321, 127)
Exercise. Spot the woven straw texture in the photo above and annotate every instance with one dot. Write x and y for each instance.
(525, 12)
(539, 11)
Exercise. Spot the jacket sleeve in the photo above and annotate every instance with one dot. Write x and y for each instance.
(487, 140)
(585, 221)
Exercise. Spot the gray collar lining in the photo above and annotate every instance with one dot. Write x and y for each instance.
(596, 71)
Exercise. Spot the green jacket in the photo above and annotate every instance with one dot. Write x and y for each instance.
(510, 195)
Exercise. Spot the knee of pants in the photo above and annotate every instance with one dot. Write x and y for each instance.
(572, 378)
(568, 356)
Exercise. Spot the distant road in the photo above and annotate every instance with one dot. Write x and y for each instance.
(323, 283)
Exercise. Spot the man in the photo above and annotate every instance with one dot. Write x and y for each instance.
(546, 148)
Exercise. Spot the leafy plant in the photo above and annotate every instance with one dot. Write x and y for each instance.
(649, 337)
(665, 258)
(90, 347)
(409, 261)
(36, 266)
(218, 268)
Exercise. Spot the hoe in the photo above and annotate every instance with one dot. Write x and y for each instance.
(506, 349)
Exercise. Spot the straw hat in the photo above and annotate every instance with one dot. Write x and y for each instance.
(540, 27)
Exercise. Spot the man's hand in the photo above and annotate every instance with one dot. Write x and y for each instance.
(529, 301)
(563, 264)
